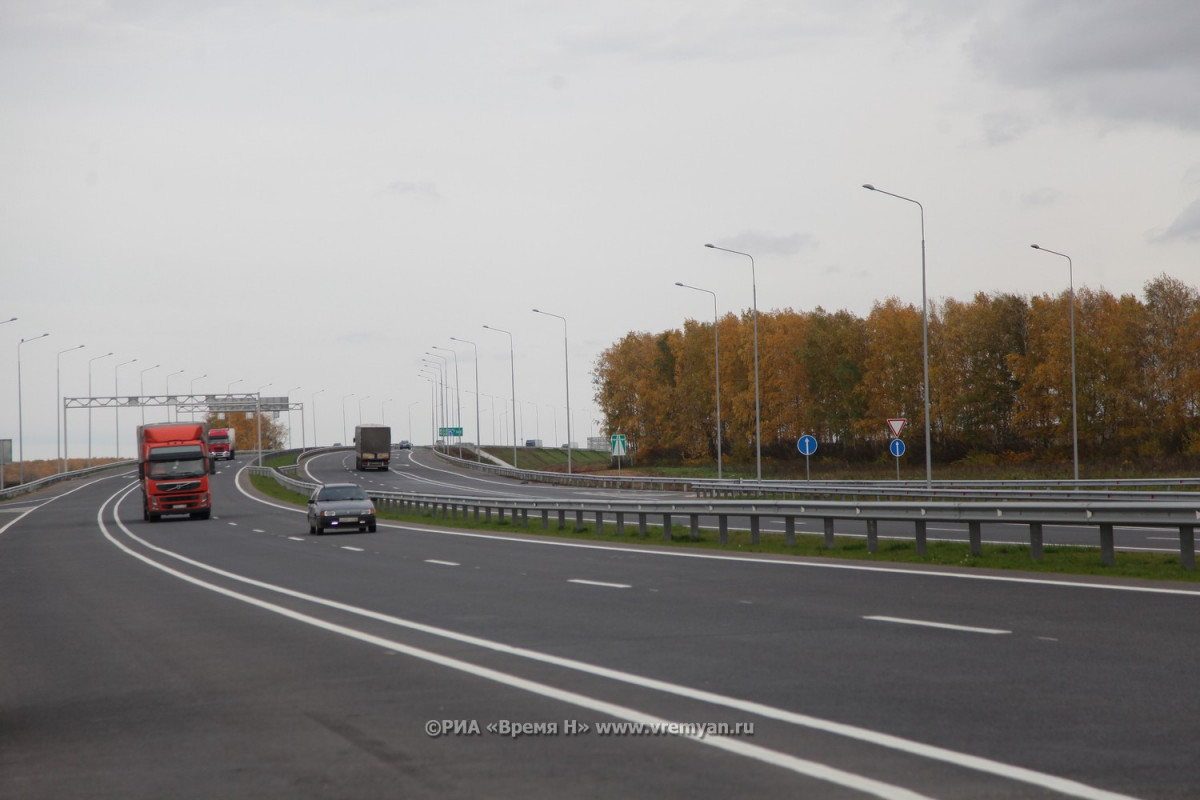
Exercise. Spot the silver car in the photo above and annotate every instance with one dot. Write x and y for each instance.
(340, 505)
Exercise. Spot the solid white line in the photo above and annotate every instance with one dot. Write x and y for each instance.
(601, 583)
(258, 530)
(442, 563)
(943, 625)
(847, 565)
(986, 765)
(355, 549)
(297, 538)
(782, 760)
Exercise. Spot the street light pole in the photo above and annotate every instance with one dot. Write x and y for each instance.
(117, 404)
(90, 360)
(258, 419)
(58, 388)
(924, 332)
(512, 367)
(142, 390)
(167, 385)
(192, 393)
(457, 396)
(757, 395)
(478, 429)
(314, 405)
(1074, 402)
(20, 414)
(567, 372)
(716, 363)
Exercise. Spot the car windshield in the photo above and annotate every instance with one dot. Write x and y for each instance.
(182, 468)
(342, 493)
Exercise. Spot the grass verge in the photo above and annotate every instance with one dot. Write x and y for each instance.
(1056, 559)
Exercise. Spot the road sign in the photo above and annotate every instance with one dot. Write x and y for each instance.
(450, 431)
(617, 444)
(807, 445)
(896, 425)
(896, 448)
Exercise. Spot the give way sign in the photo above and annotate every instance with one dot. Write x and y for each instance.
(897, 425)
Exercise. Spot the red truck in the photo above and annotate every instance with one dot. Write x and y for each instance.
(221, 443)
(173, 469)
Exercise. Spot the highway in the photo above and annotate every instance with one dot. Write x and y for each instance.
(239, 656)
(419, 471)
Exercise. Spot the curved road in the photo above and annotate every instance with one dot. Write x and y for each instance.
(238, 656)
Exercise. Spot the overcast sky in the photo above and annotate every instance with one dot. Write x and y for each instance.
(313, 194)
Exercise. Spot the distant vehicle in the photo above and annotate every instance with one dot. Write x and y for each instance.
(173, 469)
(372, 447)
(533, 442)
(405, 444)
(221, 443)
(340, 505)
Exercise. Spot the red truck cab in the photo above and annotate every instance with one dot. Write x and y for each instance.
(173, 469)
(221, 443)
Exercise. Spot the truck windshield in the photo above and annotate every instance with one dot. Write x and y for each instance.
(180, 468)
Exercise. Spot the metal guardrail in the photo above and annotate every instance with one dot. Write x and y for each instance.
(1125, 490)
(1182, 515)
(23, 488)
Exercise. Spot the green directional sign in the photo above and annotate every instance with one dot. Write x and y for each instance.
(450, 432)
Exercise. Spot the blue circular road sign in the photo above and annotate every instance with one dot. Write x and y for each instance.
(807, 445)
(896, 448)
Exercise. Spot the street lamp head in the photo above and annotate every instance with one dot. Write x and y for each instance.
(677, 283)
(710, 245)
(536, 311)
(869, 186)
(1035, 247)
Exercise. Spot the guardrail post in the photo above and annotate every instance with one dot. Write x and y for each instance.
(789, 531)
(621, 524)
(754, 528)
(921, 537)
(599, 523)
(545, 519)
(666, 527)
(476, 513)
(562, 518)
(872, 535)
(500, 514)
(1187, 546)
(487, 514)
(828, 533)
(723, 525)
(1035, 541)
(579, 520)
(975, 531)
(524, 517)
(1106, 544)
(695, 533)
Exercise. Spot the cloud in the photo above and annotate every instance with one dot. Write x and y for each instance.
(421, 190)
(1185, 228)
(757, 243)
(1114, 59)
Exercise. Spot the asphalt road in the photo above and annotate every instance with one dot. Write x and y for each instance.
(239, 656)
(420, 471)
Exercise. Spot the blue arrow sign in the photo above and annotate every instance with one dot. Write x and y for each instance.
(896, 448)
(807, 445)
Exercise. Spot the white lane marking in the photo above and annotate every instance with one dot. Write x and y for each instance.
(932, 752)
(233, 524)
(743, 559)
(601, 583)
(782, 760)
(298, 539)
(943, 625)
(443, 563)
(258, 530)
(355, 549)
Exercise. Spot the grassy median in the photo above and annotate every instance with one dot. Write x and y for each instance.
(1056, 559)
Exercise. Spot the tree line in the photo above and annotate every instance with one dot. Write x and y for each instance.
(1000, 379)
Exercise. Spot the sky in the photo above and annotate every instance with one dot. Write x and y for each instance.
(303, 199)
